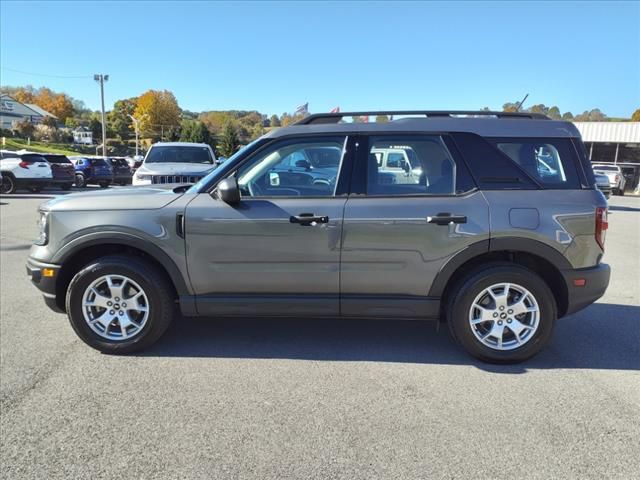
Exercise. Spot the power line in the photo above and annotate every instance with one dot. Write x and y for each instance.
(45, 74)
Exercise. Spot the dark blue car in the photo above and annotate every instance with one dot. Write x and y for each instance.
(92, 171)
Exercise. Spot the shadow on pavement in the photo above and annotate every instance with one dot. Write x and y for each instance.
(603, 336)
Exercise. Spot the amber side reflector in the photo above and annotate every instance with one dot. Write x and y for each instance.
(579, 282)
(48, 272)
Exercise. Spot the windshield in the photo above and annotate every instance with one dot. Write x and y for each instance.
(179, 154)
(222, 168)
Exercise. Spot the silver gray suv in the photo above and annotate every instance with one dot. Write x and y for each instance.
(488, 221)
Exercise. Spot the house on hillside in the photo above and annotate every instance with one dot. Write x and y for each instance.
(83, 135)
(12, 112)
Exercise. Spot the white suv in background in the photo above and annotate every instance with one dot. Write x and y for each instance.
(175, 162)
(616, 178)
(24, 170)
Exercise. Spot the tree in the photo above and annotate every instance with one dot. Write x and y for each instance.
(50, 122)
(194, 131)
(594, 115)
(118, 119)
(510, 107)
(96, 129)
(158, 113)
(635, 117)
(382, 119)
(71, 122)
(554, 113)
(229, 141)
(25, 128)
(257, 131)
(568, 116)
(275, 121)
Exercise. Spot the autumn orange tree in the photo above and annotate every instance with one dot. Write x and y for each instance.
(58, 104)
(158, 112)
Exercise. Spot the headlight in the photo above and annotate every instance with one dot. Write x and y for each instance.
(140, 176)
(43, 229)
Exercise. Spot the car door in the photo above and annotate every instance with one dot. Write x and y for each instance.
(278, 251)
(397, 236)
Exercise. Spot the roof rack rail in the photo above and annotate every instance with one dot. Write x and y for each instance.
(336, 117)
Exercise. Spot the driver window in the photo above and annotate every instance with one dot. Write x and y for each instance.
(293, 168)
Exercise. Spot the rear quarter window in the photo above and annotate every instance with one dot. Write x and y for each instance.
(550, 161)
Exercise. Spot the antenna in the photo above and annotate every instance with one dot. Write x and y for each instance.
(520, 104)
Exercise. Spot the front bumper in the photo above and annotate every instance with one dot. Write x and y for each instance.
(44, 277)
(596, 281)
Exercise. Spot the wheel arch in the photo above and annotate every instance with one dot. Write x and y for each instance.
(532, 254)
(81, 251)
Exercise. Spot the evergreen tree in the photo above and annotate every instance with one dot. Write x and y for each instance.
(229, 141)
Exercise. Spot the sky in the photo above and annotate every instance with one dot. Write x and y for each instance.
(274, 56)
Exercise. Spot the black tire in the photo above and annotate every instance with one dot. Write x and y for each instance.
(8, 184)
(80, 181)
(621, 192)
(463, 295)
(67, 186)
(154, 283)
(104, 184)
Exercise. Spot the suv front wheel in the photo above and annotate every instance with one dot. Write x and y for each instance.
(502, 313)
(119, 304)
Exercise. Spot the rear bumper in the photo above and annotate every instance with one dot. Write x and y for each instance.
(38, 181)
(46, 284)
(596, 281)
(100, 179)
(63, 181)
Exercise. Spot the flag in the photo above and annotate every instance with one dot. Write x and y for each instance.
(335, 110)
(302, 109)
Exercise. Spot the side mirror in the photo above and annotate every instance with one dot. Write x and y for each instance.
(406, 167)
(228, 191)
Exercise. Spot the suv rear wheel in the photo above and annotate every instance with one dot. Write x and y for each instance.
(8, 184)
(119, 304)
(502, 313)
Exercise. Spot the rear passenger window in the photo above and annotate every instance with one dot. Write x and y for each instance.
(410, 166)
(548, 161)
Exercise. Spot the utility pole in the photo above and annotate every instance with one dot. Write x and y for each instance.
(101, 78)
(136, 126)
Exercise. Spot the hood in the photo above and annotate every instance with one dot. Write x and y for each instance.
(127, 198)
(174, 168)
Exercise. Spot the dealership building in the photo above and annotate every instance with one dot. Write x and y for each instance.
(616, 143)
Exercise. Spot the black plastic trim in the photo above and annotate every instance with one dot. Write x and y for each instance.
(597, 281)
(125, 239)
(448, 269)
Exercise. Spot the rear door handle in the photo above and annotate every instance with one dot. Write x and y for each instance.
(446, 219)
(308, 219)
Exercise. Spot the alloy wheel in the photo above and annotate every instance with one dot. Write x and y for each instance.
(504, 316)
(115, 307)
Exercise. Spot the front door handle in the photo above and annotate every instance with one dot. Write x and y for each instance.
(446, 219)
(308, 219)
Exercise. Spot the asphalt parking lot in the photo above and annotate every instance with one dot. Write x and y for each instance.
(318, 399)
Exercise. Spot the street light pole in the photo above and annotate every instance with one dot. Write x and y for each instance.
(101, 78)
(135, 125)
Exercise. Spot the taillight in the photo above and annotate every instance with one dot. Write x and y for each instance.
(23, 164)
(601, 225)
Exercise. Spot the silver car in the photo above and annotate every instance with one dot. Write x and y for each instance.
(496, 228)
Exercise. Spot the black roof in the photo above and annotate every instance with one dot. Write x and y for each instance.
(486, 124)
